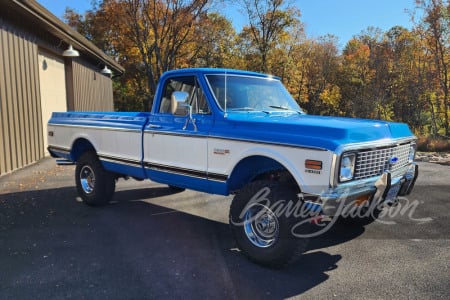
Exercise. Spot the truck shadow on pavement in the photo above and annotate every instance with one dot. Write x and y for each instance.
(56, 247)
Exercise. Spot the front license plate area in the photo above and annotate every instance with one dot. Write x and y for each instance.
(392, 193)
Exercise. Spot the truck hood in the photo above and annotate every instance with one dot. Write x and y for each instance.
(309, 130)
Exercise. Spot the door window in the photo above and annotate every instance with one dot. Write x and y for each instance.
(187, 84)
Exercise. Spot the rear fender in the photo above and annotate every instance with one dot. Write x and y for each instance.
(80, 146)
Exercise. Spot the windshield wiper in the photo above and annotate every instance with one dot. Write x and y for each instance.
(243, 109)
(286, 108)
(280, 107)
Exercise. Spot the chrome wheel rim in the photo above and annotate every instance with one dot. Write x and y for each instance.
(261, 226)
(87, 179)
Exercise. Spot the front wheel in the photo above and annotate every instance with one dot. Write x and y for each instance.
(262, 220)
(95, 185)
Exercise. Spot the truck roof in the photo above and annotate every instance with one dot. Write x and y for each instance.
(218, 71)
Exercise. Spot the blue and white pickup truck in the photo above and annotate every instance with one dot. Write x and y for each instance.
(235, 132)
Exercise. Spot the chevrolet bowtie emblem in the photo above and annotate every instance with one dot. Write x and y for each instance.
(393, 160)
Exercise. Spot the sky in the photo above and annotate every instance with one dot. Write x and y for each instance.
(342, 18)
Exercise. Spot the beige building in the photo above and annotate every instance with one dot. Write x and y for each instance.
(39, 74)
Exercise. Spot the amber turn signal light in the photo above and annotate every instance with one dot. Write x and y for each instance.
(313, 164)
(362, 199)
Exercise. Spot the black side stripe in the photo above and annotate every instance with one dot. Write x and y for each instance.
(217, 177)
(157, 167)
(121, 160)
(187, 172)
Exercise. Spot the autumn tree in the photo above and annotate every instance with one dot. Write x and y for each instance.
(296, 75)
(324, 84)
(160, 30)
(435, 30)
(402, 53)
(356, 79)
(314, 82)
(283, 63)
(268, 19)
(214, 42)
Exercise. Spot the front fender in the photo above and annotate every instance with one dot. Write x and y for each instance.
(259, 160)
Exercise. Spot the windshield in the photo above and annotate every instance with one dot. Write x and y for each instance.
(246, 93)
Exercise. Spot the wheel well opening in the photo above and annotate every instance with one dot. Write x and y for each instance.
(259, 168)
(79, 147)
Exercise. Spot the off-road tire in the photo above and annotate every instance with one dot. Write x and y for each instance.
(285, 247)
(95, 185)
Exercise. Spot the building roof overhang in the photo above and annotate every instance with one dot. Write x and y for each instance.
(37, 14)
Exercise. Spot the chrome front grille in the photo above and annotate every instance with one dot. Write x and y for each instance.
(371, 163)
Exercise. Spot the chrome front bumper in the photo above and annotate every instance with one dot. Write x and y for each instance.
(383, 189)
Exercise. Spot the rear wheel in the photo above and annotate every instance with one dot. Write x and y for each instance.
(95, 185)
(262, 222)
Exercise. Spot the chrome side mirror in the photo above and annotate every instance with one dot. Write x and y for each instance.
(178, 105)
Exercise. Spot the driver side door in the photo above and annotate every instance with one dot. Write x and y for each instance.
(175, 147)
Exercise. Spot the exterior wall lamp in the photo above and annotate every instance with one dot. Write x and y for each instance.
(106, 71)
(70, 52)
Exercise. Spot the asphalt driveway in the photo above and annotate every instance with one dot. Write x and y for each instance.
(154, 243)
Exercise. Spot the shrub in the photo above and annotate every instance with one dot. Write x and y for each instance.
(429, 144)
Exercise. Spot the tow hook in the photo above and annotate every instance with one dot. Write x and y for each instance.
(392, 203)
(320, 218)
